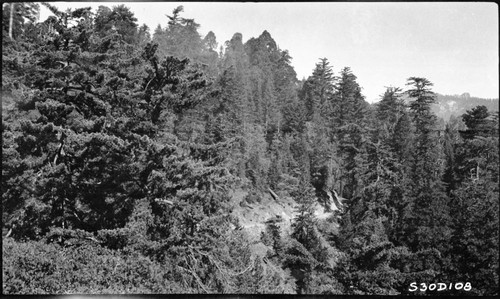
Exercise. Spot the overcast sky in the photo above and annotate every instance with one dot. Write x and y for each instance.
(454, 45)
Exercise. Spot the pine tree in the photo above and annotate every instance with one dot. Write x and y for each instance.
(347, 120)
(367, 224)
(451, 145)
(118, 20)
(318, 89)
(68, 138)
(316, 95)
(234, 111)
(348, 105)
(307, 254)
(475, 203)
(304, 223)
(209, 56)
(180, 38)
(426, 219)
(474, 242)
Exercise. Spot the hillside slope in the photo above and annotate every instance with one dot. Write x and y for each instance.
(456, 105)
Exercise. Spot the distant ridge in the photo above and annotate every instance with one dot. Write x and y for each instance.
(456, 105)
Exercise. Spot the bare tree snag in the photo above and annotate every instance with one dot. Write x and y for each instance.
(164, 201)
(336, 199)
(60, 150)
(274, 195)
(11, 20)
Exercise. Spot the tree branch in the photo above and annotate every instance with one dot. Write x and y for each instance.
(197, 278)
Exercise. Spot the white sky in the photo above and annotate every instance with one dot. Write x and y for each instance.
(454, 45)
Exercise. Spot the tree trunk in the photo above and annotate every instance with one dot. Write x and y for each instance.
(11, 20)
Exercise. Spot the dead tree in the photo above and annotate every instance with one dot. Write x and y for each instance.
(336, 199)
(164, 201)
(60, 150)
(275, 197)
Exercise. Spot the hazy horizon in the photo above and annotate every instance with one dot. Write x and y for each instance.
(454, 45)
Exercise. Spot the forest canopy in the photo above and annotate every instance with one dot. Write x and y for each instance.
(123, 149)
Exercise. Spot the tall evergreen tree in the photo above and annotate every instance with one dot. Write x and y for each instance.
(427, 222)
(118, 20)
(180, 38)
(373, 263)
(317, 94)
(318, 89)
(348, 109)
(475, 203)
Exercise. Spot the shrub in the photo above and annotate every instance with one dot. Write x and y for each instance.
(38, 268)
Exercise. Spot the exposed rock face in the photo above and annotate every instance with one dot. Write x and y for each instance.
(253, 217)
(269, 211)
(323, 212)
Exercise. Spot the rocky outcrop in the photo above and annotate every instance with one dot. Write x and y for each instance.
(272, 207)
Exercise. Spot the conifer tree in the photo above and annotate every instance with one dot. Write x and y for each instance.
(234, 112)
(180, 38)
(426, 219)
(475, 202)
(368, 220)
(349, 129)
(121, 152)
(70, 136)
(318, 89)
(316, 95)
(118, 20)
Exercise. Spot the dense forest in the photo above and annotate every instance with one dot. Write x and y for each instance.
(122, 150)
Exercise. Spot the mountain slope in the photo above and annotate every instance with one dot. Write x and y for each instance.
(448, 105)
